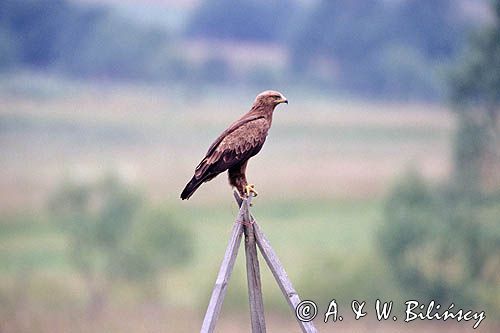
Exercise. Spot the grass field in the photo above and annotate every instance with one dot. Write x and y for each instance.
(322, 178)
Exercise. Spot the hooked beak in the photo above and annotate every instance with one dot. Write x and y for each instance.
(283, 100)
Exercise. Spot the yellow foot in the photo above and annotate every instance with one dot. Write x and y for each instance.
(250, 189)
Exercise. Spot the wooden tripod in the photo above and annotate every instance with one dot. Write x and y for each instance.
(245, 223)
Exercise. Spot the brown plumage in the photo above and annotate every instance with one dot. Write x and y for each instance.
(236, 145)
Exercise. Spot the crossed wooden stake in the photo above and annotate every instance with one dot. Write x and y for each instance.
(245, 223)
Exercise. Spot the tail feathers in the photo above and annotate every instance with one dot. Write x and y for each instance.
(191, 187)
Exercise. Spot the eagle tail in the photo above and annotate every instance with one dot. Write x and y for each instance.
(191, 187)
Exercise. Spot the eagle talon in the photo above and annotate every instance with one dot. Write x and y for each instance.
(250, 190)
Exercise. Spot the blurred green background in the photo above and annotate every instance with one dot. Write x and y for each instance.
(381, 179)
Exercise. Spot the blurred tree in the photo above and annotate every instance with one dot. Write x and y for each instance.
(242, 19)
(412, 239)
(156, 243)
(443, 243)
(442, 246)
(35, 25)
(430, 26)
(475, 91)
(111, 238)
(81, 40)
(104, 45)
(360, 37)
(347, 31)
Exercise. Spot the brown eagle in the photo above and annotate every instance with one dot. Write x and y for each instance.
(236, 145)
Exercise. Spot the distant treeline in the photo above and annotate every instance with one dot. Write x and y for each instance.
(364, 46)
(372, 47)
(80, 40)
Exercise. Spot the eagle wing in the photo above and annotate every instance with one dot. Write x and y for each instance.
(234, 126)
(237, 144)
(242, 140)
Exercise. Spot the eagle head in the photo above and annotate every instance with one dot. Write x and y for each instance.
(270, 98)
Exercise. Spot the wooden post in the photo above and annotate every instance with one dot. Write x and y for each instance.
(253, 275)
(281, 277)
(253, 234)
(278, 271)
(226, 268)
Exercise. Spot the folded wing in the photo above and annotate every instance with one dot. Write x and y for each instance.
(235, 145)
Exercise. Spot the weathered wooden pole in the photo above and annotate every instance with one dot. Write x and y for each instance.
(281, 277)
(253, 236)
(253, 274)
(226, 268)
(278, 271)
